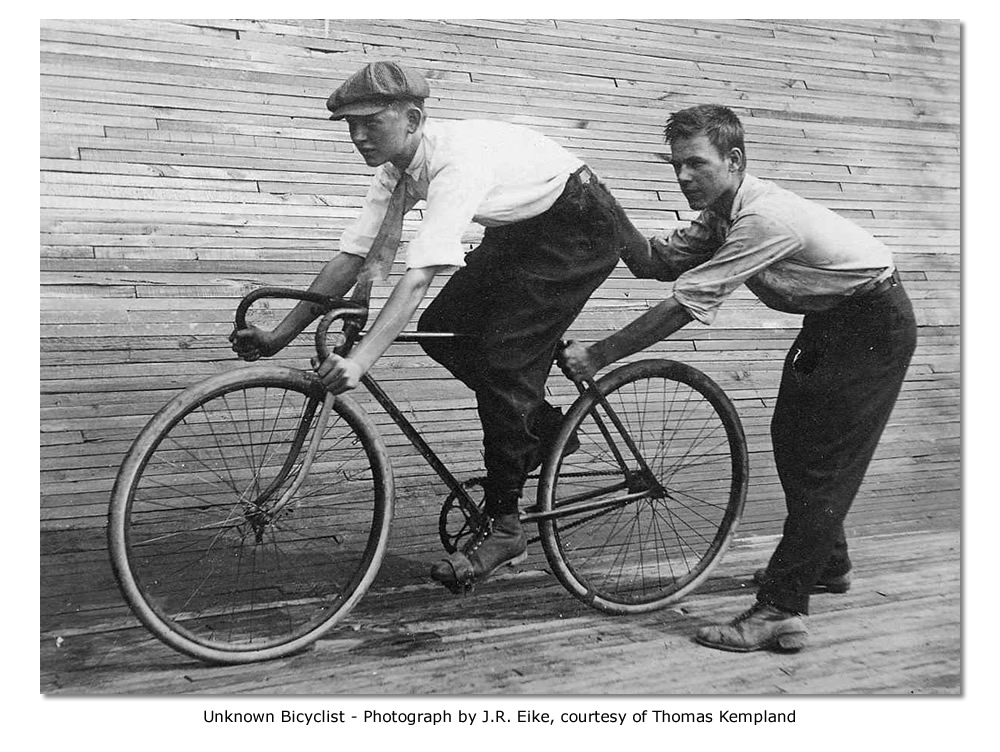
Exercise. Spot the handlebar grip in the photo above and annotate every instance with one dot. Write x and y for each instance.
(354, 314)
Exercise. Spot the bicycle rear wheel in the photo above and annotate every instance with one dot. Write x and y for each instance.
(636, 518)
(202, 554)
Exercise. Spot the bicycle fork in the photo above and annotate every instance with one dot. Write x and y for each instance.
(310, 455)
(256, 514)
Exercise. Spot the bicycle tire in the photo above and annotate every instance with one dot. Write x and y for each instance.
(197, 551)
(644, 553)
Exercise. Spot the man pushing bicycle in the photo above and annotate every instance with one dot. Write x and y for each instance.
(553, 234)
(840, 379)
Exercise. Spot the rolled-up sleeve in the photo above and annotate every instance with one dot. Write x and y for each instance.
(453, 195)
(360, 234)
(683, 249)
(753, 243)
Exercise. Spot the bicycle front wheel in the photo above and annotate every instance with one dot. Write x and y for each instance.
(213, 552)
(636, 518)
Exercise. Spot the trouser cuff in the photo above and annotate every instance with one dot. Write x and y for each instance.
(501, 501)
(785, 600)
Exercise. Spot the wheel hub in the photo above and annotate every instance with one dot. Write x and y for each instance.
(643, 480)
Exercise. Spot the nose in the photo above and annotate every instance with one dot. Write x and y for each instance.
(358, 133)
(683, 175)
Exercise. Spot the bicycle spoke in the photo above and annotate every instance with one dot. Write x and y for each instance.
(677, 449)
(216, 566)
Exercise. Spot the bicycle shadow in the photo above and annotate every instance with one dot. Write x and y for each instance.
(407, 614)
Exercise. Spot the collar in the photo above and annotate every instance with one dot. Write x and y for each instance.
(418, 165)
(748, 188)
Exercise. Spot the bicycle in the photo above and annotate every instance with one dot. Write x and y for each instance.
(253, 510)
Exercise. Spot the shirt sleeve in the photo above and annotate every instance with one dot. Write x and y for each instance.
(753, 243)
(360, 234)
(454, 193)
(683, 249)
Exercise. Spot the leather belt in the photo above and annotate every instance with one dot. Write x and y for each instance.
(879, 287)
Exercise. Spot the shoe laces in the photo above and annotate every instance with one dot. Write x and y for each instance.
(483, 532)
(757, 607)
(750, 612)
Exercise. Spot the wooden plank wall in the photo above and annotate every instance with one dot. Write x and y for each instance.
(185, 163)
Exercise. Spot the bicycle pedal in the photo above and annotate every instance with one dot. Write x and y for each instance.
(456, 587)
(465, 586)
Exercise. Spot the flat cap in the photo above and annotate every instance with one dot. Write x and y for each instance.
(375, 87)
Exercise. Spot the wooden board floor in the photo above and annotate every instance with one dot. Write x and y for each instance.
(898, 631)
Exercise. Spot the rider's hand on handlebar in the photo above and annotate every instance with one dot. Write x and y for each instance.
(252, 343)
(575, 361)
(338, 374)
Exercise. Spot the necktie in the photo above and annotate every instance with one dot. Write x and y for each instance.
(378, 262)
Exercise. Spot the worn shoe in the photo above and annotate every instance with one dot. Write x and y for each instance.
(761, 627)
(839, 583)
(499, 542)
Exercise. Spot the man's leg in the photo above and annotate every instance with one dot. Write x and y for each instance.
(516, 358)
(838, 389)
(836, 575)
(546, 269)
(839, 386)
(519, 292)
(551, 266)
(485, 301)
(464, 306)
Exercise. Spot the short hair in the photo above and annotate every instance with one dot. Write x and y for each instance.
(720, 124)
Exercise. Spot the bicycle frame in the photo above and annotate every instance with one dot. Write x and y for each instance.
(413, 435)
(529, 514)
(232, 572)
(354, 315)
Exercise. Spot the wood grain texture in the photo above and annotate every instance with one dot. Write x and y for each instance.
(185, 163)
(897, 631)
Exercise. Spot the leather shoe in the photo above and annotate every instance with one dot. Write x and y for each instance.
(499, 542)
(761, 627)
(839, 583)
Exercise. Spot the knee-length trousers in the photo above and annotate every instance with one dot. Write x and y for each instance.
(519, 291)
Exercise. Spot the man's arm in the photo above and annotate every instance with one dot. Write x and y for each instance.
(581, 362)
(667, 257)
(638, 257)
(342, 374)
(334, 280)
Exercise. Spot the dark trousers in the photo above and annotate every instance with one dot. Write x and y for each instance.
(518, 293)
(839, 385)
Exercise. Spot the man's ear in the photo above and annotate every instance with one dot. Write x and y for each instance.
(736, 160)
(414, 118)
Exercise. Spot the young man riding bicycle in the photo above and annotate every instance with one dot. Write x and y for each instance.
(553, 234)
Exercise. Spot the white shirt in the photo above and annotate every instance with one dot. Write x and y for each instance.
(488, 172)
(793, 254)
